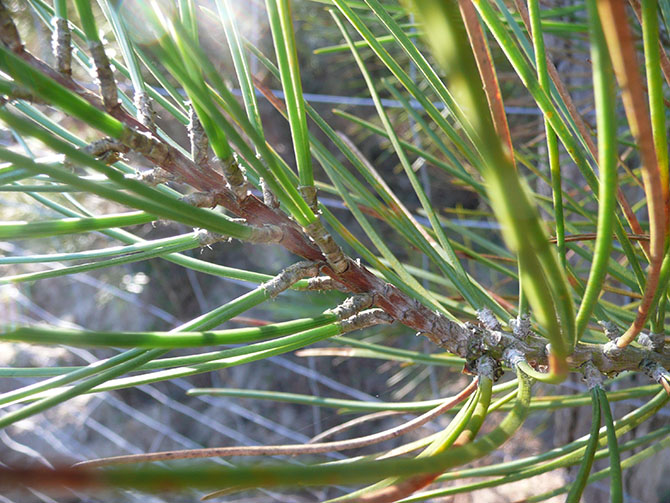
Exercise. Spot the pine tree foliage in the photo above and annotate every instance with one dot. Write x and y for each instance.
(520, 307)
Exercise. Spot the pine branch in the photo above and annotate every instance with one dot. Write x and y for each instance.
(316, 245)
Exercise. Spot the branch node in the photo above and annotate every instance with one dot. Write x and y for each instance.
(352, 306)
(365, 319)
(266, 234)
(146, 145)
(454, 337)
(488, 319)
(263, 234)
(493, 338)
(592, 375)
(309, 194)
(612, 351)
(323, 283)
(235, 176)
(512, 357)
(655, 371)
(269, 198)
(207, 238)
(652, 341)
(612, 331)
(107, 150)
(105, 75)
(487, 366)
(145, 110)
(199, 140)
(289, 276)
(200, 199)
(61, 45)
(521, 327)
(333, 253)
(157, 176)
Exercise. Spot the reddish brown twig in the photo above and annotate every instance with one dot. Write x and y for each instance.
(624, 60)
(590, 236)
(335, 430)
(275, 450)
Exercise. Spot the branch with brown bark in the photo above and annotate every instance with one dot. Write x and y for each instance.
(229, 191)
